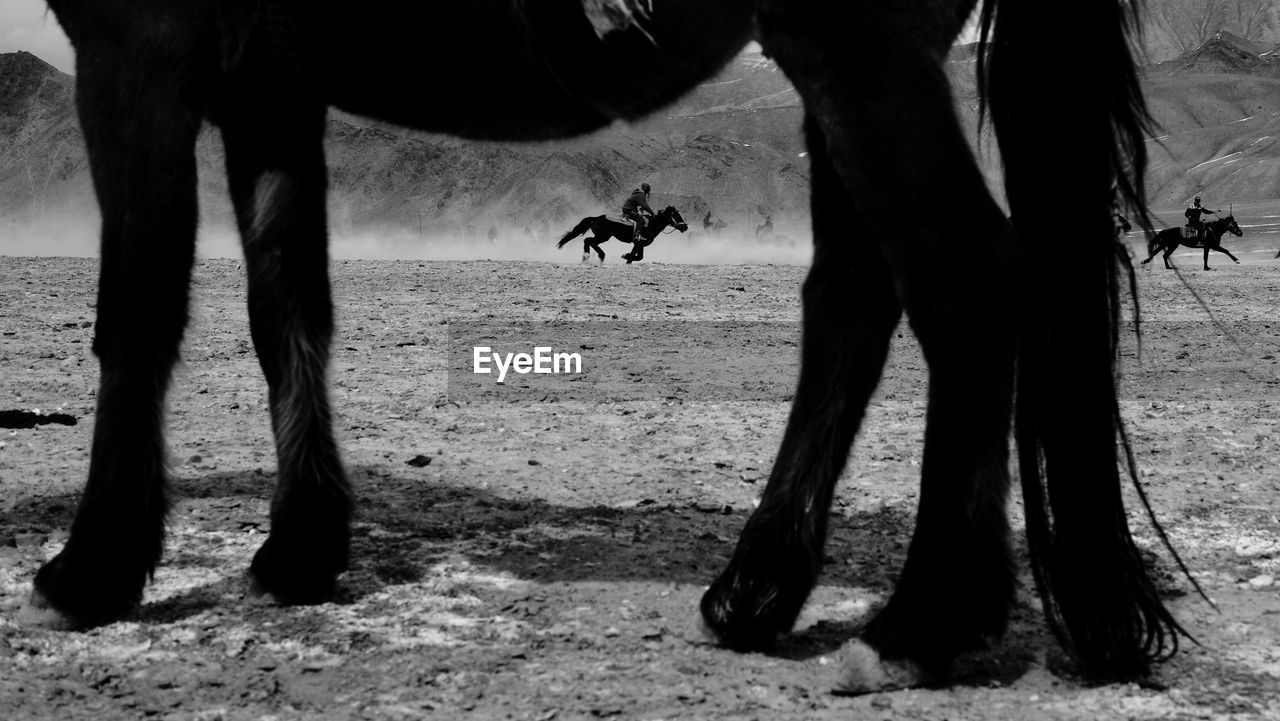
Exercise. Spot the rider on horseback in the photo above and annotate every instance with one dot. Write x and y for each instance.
(1193, 214)
(637, 210)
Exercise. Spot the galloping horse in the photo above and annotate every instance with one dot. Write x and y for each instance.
(150, 73)
(603, 228)
(1169, 239)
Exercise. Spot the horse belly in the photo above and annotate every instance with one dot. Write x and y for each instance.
(506, 69)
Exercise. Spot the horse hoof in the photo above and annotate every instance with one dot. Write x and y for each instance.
(863, 671)
(705, 633)
(38, 612)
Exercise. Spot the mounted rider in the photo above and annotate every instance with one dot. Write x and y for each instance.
(1193, 213)
(636, 209)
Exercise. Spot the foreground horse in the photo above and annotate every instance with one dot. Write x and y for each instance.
(149, 73)
(603, 228)
(1169, 239)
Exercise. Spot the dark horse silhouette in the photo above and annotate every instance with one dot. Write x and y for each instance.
(603, 229)
(149, 74)
(1169, 239)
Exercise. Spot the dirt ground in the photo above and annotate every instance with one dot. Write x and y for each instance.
(548, 560)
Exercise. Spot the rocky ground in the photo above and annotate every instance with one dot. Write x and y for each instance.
(543, 559)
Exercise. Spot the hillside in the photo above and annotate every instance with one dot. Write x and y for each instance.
(1217, 113)
(1174, 28)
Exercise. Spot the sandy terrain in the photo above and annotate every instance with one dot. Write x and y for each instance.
(547, 562)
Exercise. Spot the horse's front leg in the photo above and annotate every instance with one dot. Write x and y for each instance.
(850, 312)
(1221, 249)
(1206, 257)
(140, 136)
(276, 171)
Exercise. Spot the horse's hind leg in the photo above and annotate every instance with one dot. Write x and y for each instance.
(276, 170)
(850, 312)
(900, 151)
(1152, 250)
(140, 138)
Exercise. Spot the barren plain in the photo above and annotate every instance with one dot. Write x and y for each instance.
(546, 560)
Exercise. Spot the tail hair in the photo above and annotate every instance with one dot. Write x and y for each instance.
(578, 229)
(1098, 598)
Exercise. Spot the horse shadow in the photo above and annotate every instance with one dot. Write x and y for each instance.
(404, 526)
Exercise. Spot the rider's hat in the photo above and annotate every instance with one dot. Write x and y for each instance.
(644, 187)
(1197, 197)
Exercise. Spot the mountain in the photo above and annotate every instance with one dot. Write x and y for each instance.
(42, 159)
(1173, 28)
(1217, 114)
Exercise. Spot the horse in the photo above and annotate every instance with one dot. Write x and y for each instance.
(765, 229)
(603, 228)
(1169, 239)
(149, 75)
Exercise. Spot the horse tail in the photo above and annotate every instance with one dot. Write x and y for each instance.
(1098, 598)
(578, 229)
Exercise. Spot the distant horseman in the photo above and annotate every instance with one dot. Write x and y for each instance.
(1193, 213)
(636, 209)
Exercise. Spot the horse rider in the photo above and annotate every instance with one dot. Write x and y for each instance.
(637, 210)
(1193, 213)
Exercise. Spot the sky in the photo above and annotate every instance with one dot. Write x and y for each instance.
(29, 25)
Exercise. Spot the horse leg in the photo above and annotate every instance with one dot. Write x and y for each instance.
(595, 243)
(957, 583)
(1152, 248)
(1206, 258)
(1168, 252)
(850, 312)
(140, 136)
(1221, 249)
(276, 173)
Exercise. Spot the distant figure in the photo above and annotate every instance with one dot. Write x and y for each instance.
(636, 209)
(1193, 213)
(713, 226)
(493, 234)
(766, 229)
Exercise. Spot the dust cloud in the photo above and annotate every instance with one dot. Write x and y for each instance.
(76, 235)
